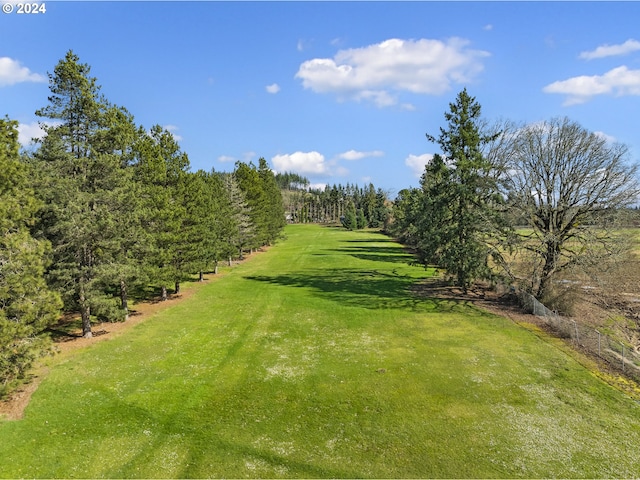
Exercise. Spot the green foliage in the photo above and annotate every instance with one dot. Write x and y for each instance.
(291, 181)
(405, 215)
(27, 306)
(161, 175)
(274, 209)
(361, 221)
(241, 229)
(451, 217)
(85, 186)
(330, 205)
(350, 219)
(264, 200)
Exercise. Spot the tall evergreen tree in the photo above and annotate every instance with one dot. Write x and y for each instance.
(240, 228)
(469, 193)
(274, 211)
(248, 179)
(350, 219)
(161, 172)
(27, 306)
(84, 183)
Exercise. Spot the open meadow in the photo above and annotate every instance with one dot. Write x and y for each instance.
(315, 359)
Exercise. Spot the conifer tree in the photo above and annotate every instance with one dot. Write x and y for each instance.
(467, 193)
(161, 173)
(350, 220)
(85, 184)
(240, 229)
(27, 306)
(248, 180)
(274, 211)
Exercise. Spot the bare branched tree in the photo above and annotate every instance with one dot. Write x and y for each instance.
(566, 184)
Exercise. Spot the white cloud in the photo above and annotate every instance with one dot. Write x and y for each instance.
(355, 155)
(273, 88)
(28, 131)
(11, 72)
(377, 73)
(317, 186)
(226, 159)
(607, 138)
(171, 129)
(611, 50)
(619, 81)
(301, 162)
(488, 27)
(417, 163)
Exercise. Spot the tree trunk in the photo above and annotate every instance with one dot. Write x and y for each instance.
(177, 289)
(215, 268)
(551, 256)
(85, 312)
(201, 277)
(229, 260)
(124, 302)
(164, 292)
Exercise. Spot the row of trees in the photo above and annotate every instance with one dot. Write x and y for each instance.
(102, 206)
(524, 201)
(352, 205)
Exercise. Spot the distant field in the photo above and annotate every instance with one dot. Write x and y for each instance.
(315, 360)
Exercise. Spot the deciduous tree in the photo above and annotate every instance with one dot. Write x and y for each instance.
(565, 182)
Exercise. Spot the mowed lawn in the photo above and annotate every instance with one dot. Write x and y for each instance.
(314, 359)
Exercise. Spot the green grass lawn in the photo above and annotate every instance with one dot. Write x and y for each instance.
(315, 360)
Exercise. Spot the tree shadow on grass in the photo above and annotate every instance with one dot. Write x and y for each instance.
(377, 254)
(369, 289)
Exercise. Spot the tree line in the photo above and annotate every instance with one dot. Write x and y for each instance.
(524, 202)
(102, 207)
(353, 206)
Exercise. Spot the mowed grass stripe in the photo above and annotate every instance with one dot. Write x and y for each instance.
(314, 359)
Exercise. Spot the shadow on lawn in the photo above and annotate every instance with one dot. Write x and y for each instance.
(377, 254)
(362, 288)
(371, 288)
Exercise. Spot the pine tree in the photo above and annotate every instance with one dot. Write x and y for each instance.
(274, 211)
(240, 229)
(27, 306)
(161, 173)
(85, 184)
(350, 221)
(248, 179)
(361, 221)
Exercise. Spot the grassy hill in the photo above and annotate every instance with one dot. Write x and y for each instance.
(316, 360)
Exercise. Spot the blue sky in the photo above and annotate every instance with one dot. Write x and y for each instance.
(336, 91)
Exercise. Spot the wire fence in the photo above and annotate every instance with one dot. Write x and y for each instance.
(619, 356)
